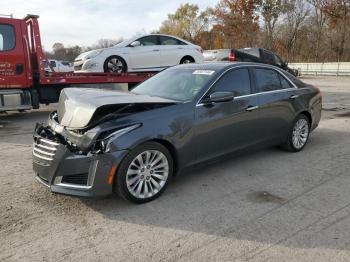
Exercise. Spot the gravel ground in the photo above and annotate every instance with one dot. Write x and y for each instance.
(263, 206)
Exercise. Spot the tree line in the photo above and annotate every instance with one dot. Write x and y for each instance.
(298, 30)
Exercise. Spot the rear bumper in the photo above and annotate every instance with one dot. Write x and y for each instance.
(72, 173)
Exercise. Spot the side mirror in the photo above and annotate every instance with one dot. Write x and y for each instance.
(135, 44)
(218, 97)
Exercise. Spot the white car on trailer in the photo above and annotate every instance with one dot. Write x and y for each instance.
(152, 52)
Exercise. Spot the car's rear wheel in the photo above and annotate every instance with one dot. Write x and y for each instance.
(144, 173)
(114, 64)
(299, 134)
(187, 60)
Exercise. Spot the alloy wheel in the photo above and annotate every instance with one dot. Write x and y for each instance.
(300, 133)
(115, 65)
(147, 174)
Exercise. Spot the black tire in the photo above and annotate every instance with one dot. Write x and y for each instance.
(187, 60)
(120, 65)
(120, 182)
(289, 145)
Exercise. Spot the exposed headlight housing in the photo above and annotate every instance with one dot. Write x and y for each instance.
(104, 141)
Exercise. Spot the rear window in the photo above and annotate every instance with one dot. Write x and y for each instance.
(251, 51)
(295, 80)
(166, 40)
(7, 37)
(285, 83)
(266, 80)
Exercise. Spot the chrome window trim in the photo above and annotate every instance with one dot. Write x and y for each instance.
(259, 93)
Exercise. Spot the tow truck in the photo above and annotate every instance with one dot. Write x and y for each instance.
(24, 82)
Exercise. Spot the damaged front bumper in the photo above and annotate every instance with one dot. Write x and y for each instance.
(69, 171)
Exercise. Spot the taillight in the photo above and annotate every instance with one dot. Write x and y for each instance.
(232, 56)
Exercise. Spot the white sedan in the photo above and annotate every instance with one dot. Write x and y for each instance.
(146, 53)
(58, 66)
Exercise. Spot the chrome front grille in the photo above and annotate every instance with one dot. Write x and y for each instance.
(44, 149)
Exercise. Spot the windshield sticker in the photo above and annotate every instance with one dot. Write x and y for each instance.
(203, 72)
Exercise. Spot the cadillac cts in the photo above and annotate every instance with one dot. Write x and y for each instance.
(132, 143)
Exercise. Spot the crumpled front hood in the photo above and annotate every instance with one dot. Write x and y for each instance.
(77, 106)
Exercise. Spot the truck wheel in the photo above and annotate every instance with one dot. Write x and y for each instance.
(114, 64)
(144, 173)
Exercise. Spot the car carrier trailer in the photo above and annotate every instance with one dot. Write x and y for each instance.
(24, 84)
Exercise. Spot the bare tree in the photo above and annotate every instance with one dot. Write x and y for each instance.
(339, 14)
(296, 13)
(271, 11)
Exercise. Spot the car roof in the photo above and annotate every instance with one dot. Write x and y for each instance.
(173, 36)
(218, 66)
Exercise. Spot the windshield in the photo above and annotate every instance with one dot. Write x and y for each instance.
(175, 84)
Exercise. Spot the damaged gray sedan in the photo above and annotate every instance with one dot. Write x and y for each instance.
(132, 143)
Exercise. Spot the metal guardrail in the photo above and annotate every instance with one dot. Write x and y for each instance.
(337, 69)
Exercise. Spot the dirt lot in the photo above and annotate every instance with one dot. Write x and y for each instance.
(263, 206)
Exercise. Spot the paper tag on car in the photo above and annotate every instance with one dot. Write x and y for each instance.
(203, 72)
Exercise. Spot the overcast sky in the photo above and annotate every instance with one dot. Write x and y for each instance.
(83, 22)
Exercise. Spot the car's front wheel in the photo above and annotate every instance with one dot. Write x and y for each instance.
(299, 134)
(114, 64)
(187, 60)
(144, 173)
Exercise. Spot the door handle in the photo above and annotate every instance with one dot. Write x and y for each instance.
(19, 69)
(251, 108)
(293, 96)
(156, 50)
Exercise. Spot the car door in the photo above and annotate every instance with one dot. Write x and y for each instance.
(147, 56)
(172, 50)
(276, 101)
(12, 60)
(227, 126)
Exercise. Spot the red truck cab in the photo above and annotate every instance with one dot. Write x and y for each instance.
(15, 68)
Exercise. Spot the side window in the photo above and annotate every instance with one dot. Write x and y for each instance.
(285, 84)
(166, 40)
(53, 63)
(236, 81)
(266, 80)
(7, 37)
(148, 40)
